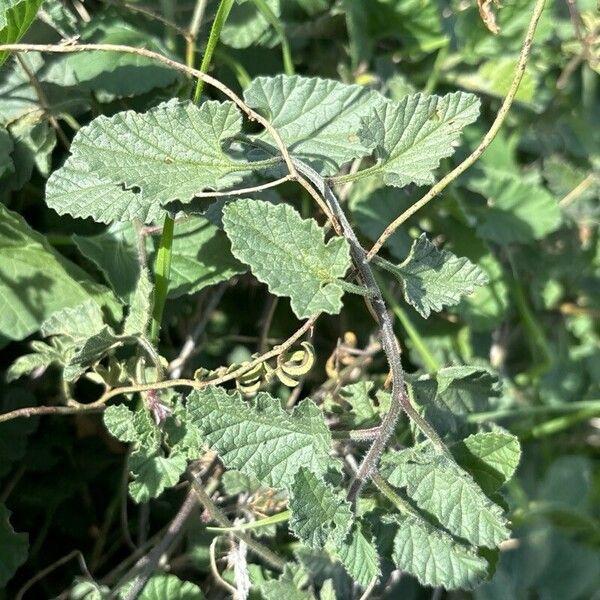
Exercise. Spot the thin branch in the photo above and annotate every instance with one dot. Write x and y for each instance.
(43, 100)
(190, 71)
(247, 190)
(577, 191)
(147, 564)
(215, 570)
(485, 142)
(151, 14)
(399, 397)
(58, 563)
(98, 405)
(219, 516)
(36, 411)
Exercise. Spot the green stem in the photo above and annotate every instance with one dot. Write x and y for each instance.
(213, 39)
(436, 69)
(242, 76)
(273, 20)
(560, 423)
(429, 360)
(162, 269)
(535, 332)
(528, 411)
(281, 517)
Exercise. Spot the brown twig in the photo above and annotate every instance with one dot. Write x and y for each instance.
(485, 142)
(43, 100)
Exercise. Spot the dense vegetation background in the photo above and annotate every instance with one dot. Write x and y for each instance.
(526, 214)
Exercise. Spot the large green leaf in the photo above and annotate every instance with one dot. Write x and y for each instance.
(358, 553)
(516, 211)
(126, 166)
(412, 136)
(161, 587)
(15, 18)
(201, 257)
(261, 439)
(289, 254)
(153, 473)
(246, 25)
(318, 119)
(35, 281)
(13, 547)
(319, 512)
(491, 457)
(113, 74)
(441, 488)
(433, 278)
(434, 557)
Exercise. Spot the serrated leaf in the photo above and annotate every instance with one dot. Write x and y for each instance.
(136, 427)
(92, 350)
(140, 308)
(288, 586)
(45, 355)
(317, 119)
(126, 166)
(433, 278)
(412, 136)
(13, 547)
(452, 393)
(260, 438)
(289, 254)
(16, 16)
(435, 558)
(358, 553)
(364, 411)
(441, 488)
(35, 281)
(319, 513)
(77, 322)
(491, 457)
(163, 587)
(152, 474)
(183, 436)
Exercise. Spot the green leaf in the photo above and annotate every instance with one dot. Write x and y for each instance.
(13, 547)
(434, 557)
(201, 257)
(433, 278)
(57, 352)
(114, 252)
(152, 474)
(140, 309)
(260, 438)
(319, 512)
(126, 166)
(289, 254)
(16, 16)
(441, 488)
(364, 411)
(516, 211)
(452, 393)
(77, 322)
(35, 281)
(287, 586)
(317, 119)
(491, 457)
(412, 136)
(113, 74)
(136, 427)
(358, 553)
(245, 24)
(161, 587)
